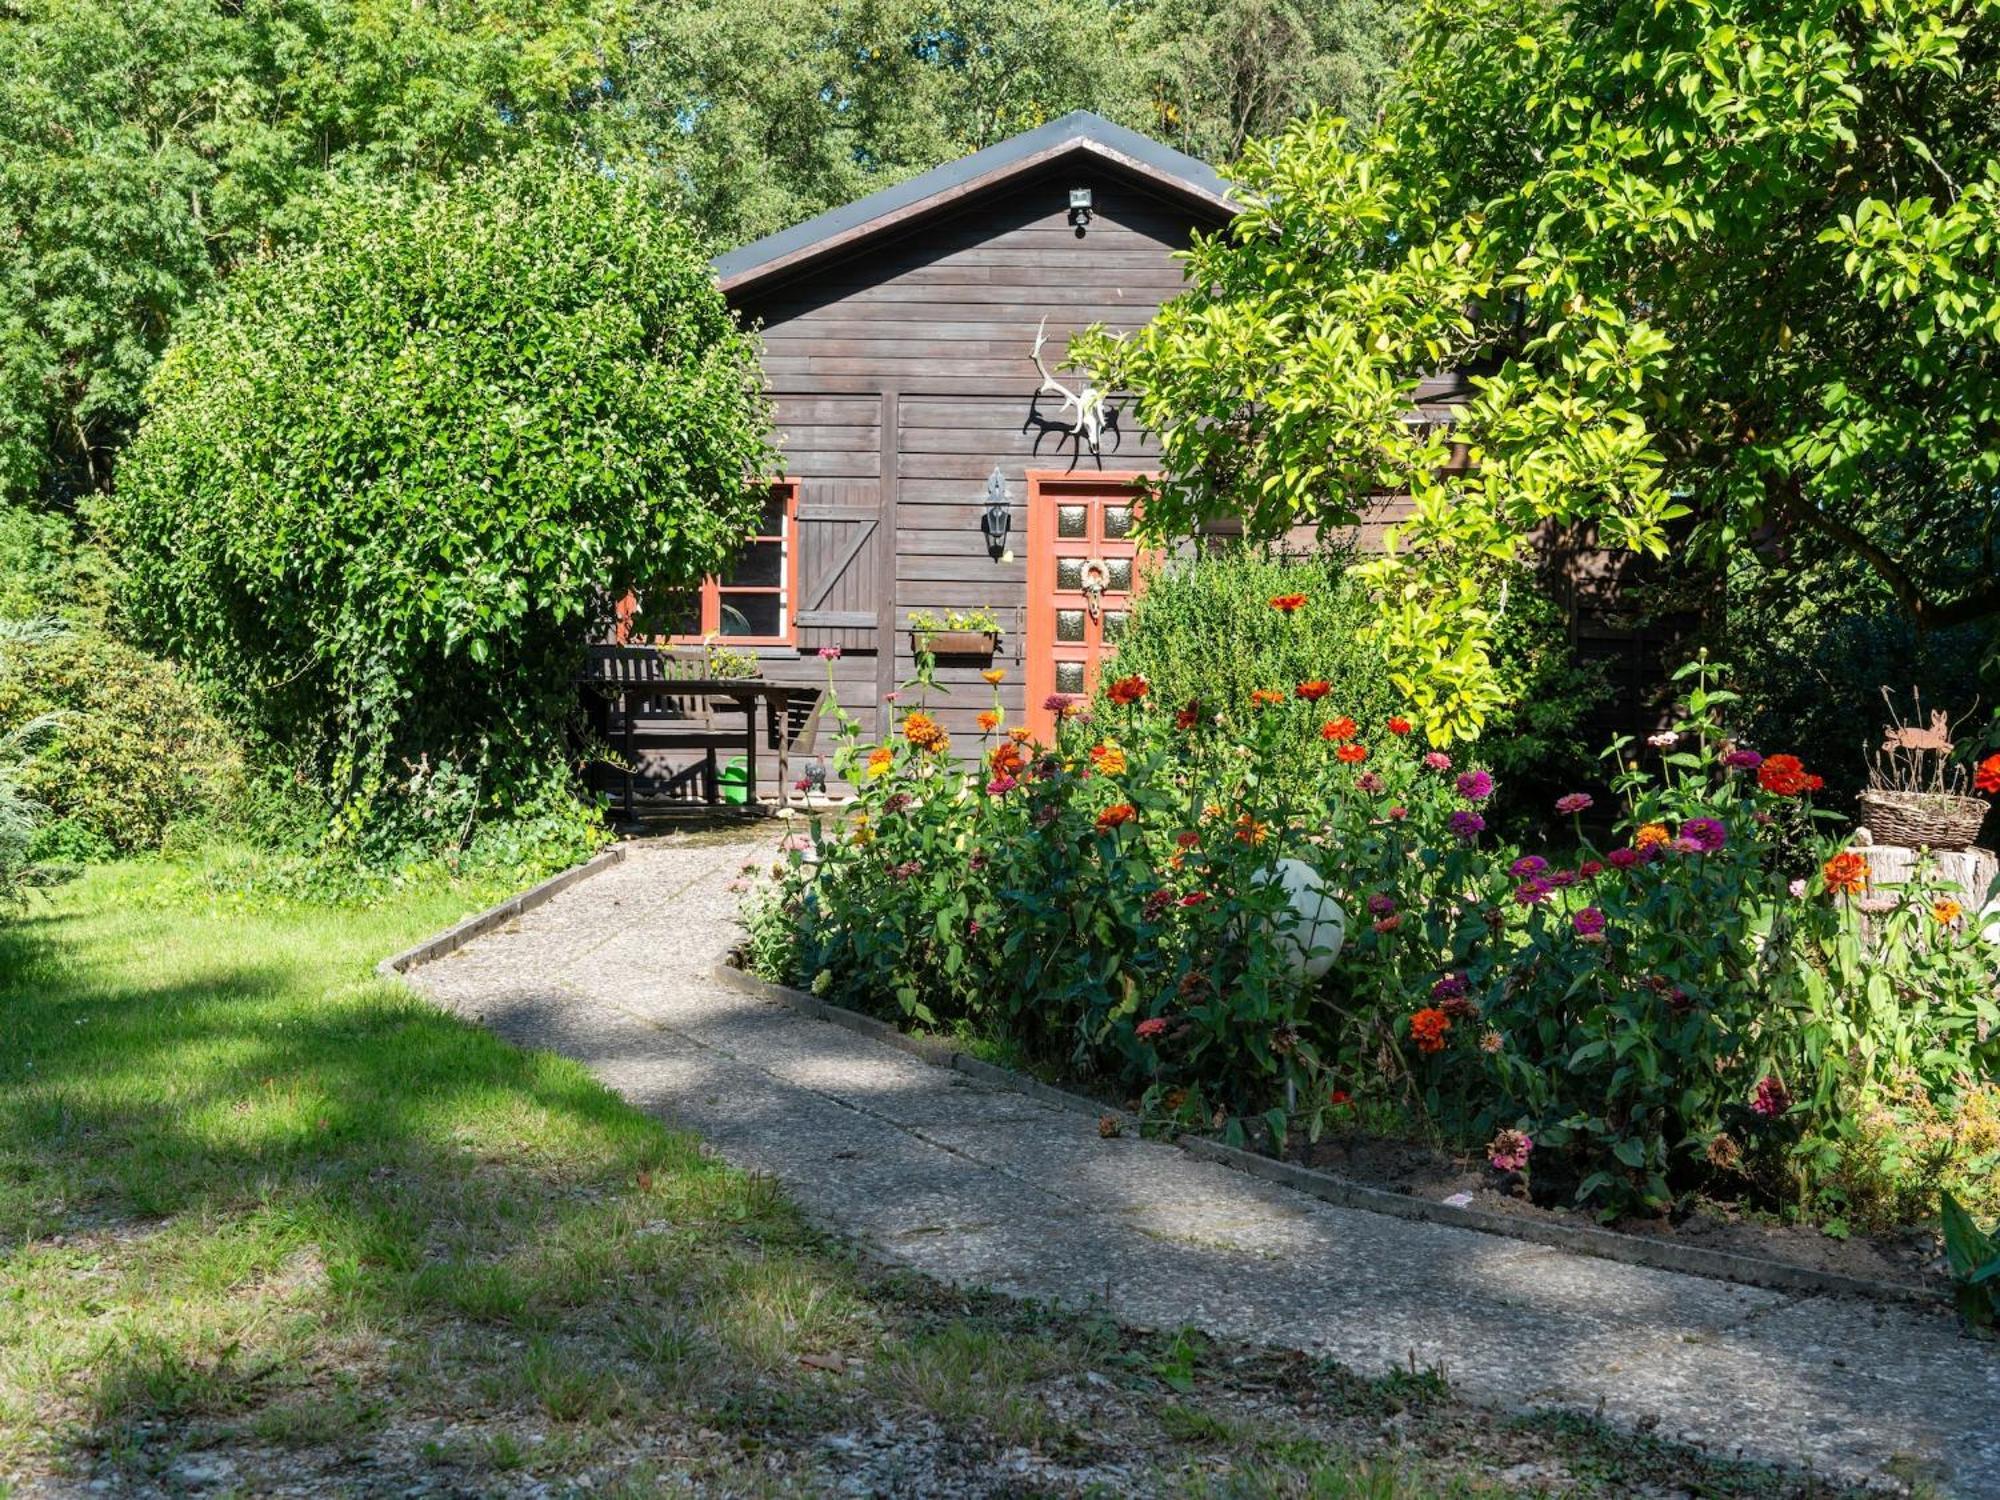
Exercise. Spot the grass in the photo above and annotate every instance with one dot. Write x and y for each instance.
(266, 1219)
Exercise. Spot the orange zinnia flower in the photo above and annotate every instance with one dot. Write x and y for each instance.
(1650, 834)
(1114, 815)
(1427, 1028)
(1946, 912)
(1020, 734)
(994, 674)
(1250, 831)
(1286, 604)
(1108, 759)
(1007, 760)
(1313, 691)
(921, 730)
(1127, 691)
(1265, 698)
(1342, 728)
(988, 722)
(880, 759)
(1846, 873)
(1352, 754)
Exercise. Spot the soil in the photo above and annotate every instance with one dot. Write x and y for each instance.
(1911, 1257)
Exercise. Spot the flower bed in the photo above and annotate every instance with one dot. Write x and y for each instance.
(1712, 1001)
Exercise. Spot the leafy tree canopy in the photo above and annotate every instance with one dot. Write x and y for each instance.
(386, 484)
(1726, 263)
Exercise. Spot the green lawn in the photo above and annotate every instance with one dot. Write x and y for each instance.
(265, 1219)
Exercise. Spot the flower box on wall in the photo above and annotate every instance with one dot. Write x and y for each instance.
(955, 642)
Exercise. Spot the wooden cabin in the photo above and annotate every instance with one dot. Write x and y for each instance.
(930, 468)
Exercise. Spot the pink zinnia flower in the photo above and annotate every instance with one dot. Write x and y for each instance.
(1438, 761)
(829, 653)
(1398, 813)
(1150, 1028)
(1509, 1151)
(1575, 802)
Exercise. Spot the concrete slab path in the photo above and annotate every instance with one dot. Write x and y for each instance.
(982, 1186)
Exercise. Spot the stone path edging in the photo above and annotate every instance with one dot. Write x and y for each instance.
(480, 923)
(1604, 1244)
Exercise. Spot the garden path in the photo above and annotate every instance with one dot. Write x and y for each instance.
(983, 1186)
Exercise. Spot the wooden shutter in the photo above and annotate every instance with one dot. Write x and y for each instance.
(840, 575)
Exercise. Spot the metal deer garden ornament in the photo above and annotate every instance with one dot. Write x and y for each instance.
(1088, 402)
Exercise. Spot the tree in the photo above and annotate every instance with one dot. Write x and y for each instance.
(1708, 259)
(147, 147)
(388, 484)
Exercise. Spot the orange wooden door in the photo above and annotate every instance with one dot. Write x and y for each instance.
(1079, 535)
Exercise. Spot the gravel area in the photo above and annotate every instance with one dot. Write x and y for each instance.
(985, 1187)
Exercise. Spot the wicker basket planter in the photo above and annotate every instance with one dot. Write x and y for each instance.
(1923, 820)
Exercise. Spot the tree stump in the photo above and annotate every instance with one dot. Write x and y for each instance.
(1976, 873)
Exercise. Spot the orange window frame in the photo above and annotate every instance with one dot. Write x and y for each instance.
(714, 587)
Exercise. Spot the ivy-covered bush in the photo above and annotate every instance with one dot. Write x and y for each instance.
(1715, 1002)
(389, 484)
(134, 748)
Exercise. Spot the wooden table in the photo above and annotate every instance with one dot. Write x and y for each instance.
(743, 693)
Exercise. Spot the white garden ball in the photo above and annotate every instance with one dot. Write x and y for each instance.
(1316, 922)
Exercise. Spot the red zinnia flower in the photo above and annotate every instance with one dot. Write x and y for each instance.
(1352, 754)
(1313, 691)
(1127, 690)
(1785, 775)
(1987, 777)
(1189, 716)
(1342, 728)
(1286, 604)
(1399, 725)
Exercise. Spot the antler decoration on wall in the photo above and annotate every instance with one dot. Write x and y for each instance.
(1089, 402)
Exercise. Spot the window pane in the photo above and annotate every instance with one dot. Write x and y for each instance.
(1069, 676)
(773, 523)
(682, 616)
(759, 565)
(753, 614)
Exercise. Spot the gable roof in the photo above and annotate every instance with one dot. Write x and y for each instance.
(1172, 172)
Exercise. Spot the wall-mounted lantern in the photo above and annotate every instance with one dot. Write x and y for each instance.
(1079, 210)
(999, 517)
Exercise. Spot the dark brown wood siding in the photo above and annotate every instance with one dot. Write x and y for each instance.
(902, 376)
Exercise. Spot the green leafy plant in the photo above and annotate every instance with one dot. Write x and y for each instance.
(1974, 1257)
(982, 621)
(391, 557)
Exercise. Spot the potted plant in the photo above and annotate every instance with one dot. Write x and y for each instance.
(1917, 796)
(967, 632)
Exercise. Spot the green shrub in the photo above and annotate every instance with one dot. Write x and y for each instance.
(389, 485)
(136, 748)
(1204, 629)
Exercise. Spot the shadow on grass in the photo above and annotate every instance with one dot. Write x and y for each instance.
(243, 1158)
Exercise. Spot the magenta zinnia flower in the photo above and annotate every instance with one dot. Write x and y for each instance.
(1706, 834)
(1588, 924)
(1466, 825)
(1475, 786)
(1622, 859)
(1743, 760)
(1771, 1099)
(1527, 864)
